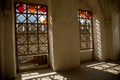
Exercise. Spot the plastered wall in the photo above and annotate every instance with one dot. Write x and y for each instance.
(7, 39)
(63, 34)
(99, 37)
(0, 43)
(115, 29)
(99, 52)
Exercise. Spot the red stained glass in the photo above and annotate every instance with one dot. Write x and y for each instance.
(41, 9)
(82, 14)
(20, 8)
(32, 8)
(88, 15)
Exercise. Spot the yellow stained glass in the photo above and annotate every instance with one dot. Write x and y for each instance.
(44, 21)
(32, 8)
(82, 14)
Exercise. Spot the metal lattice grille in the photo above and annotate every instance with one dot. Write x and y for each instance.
(31, 31)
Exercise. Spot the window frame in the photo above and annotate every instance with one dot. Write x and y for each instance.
(28, 44)
(85, 33)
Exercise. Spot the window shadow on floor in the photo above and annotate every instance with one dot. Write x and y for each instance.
(87, 71)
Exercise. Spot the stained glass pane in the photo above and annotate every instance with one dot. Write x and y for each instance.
(42, 28)
(21, 18)
(83, 45)
(83, 38)
(31, 9)
(89, 22)
(33, 38)
(90, 29)
(82, 21)
(21, 39)
(42, 19)
(88, 45)
(32, 28)
(88, 37)
(85, 25)
(82, 14)
(32, 18)
(44, 48)
(42, 9)
(22, 49)
(87, 28)
(43, 38)
(82, 28)
(21, 28)
(91, 38)
(21, 8)
(88, 15)
(33, 49)
(91, 44)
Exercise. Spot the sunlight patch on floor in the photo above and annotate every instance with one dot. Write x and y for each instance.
(106, 66)
(42, 76)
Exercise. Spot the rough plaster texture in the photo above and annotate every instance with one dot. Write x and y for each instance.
(8, 42)
(86, 56)
(116, 43)
(64, 34)
(8, 56)
(110, 11)
(99, 47)
(0, 43)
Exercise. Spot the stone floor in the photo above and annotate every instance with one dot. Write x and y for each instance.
(88, 71)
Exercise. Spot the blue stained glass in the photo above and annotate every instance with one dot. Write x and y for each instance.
(32, 19)
(43, 28)
(21, 18)
(41, 19)
(89, 22)
(82, 21)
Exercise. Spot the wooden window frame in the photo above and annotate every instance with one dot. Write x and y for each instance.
(38, 43)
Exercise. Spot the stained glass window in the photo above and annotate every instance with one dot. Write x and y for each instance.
(42, 9)
(20, 8)
(31, 29)
(31, 8)
(85, 29)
